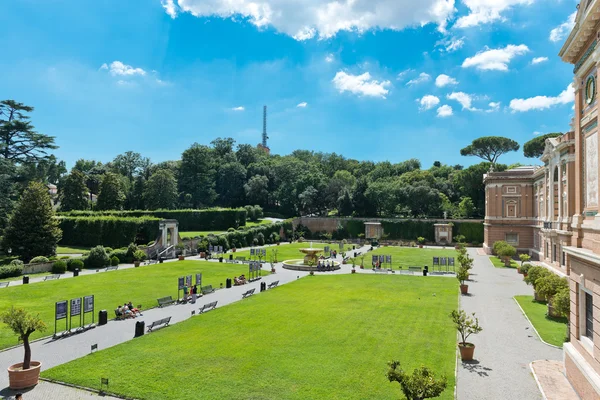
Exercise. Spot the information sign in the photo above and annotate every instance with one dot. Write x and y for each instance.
(88, 304)
(61, 309)
(75, 306)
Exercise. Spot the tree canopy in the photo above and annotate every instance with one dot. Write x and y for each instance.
(535, 147)
(489, 148)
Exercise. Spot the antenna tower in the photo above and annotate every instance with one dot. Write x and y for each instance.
(264, 134)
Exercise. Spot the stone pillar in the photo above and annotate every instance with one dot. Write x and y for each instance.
(578, 147)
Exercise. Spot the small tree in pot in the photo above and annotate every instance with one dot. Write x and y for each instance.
(462, 275)
(524, 258)
(180, 250)
(561, 302)
(421, 241)
(138, 257)
(23, 324)
(548, 286)
(506, 253)
(466, 326)
(533, 275)
(421, 384)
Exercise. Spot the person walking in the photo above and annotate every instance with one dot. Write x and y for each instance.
(185, 293)
(194, 294)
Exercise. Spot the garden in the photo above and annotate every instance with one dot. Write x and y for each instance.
(286, 344)
(140, 285)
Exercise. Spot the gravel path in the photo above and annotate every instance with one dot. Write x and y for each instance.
(507, 343)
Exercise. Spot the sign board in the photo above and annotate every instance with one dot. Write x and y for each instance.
(264, 251)
(451, 261)
(251, 252)
(443, 261)
(180, 282)
(199, 279)
(375, 258)
(88, 304)
(388, 259)
(220, 249)
(326, 250)
(382, 259)
(188, 280)
(75, 306)
(436, 261)
(61, 309)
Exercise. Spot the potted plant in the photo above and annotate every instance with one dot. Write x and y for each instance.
(138, 257)
(353, 266)
(23, 324)
(362, 262)
(506, 253)
(466, 326)
(534, 274)
(561, 302)
(421, 384)
(465, 261)
(462, 275)
(524, 258)
(525, 269)
(180, 248)
(548, 286)
(421, 241)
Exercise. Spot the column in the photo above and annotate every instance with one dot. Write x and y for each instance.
(578, 148)
(560, 190)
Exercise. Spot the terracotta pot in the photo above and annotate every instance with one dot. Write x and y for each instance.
(202, 254)
(21, 379)
(353, 271)
(277, 243)
(136, 264)
(464, 289)
(524, 275)
(519, 270)
(181, 258)
(272, 270)
(233, 250)
(420, 246)
(362, 267)
(466, 351)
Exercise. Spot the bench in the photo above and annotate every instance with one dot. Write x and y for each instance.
(248, 293)
(208, 307)
(118, 316)
(51, 277)
(165, 301)
(207, 289)
(164, 321)
(415, 269)
(273, 285)
(4, 284)
(112, 268)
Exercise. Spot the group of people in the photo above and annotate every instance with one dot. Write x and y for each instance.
(190, 294)
(127, 310)
(241, 280)
(325, 266)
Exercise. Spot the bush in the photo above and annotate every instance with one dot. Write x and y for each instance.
(524, 258)
(261, 239)
(525, 268)
(114, 261)
(39, 260)
(108, 249)
(421, 384)
(551, 284)
(131, 249)
(497, 245)
(97, 258)
(562, 302)
(534, 274)
(121, 254)
(64, 257)
(59, 267)
(16, 262)
(421, 240)
(107, 230)
(11, 270)
(506, 253)
(139, 255)
(74, 263)
(231, 230)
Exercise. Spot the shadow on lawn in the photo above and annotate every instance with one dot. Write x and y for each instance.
(474, 366)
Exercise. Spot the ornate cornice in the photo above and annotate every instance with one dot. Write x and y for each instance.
(585, 56)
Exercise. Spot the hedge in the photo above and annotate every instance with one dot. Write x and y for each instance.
(107, 230)
(245, 238)
(189, 220)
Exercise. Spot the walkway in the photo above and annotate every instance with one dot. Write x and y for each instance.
(507, 343)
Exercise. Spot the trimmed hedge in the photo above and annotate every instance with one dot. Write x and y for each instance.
(189, 220)
(11, 270)
(59, 267)
(108, 231)
(246, 237)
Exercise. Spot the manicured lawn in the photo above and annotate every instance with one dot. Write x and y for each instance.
(321, 337)
(192, 234)
(18, 278)
(291, 251)
(553, 331)
(250, 224)
(498, 263)
(140, 285)
(71, 249)
(407, 256)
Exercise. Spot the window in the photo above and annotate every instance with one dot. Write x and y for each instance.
(554, 253)
(511, 238)
(564, 259)
(547, 252)
(511, 189)
(589, 316)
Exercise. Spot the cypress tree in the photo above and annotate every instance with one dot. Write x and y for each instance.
(74, 192)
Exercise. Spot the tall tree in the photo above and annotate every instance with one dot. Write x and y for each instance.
(161, 190)
(19, 142)
(111, 195)
(32, 230)
(489, 148)
(197, 175)
(257, 190)
(74, 192)
(128, 164)
(535, 147)
(230, 184)
(7, 192)
(137, 193)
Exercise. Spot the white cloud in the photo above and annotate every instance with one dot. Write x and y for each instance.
(117, 68)
(445, 80)
(360, 84)
(423, 77)
(486, 11)
(428, 102)
(542, 102)
(538, 60)
(306, 19)
(494, 106)
(495, 59)
(465, 100)
(444, 111)
(170, 7)
(240, 108)
(451, 44)
(302, 105)
(536, 133)
(559, 33)
(329, 58)
(402, 74)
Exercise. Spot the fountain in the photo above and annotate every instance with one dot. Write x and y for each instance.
(309, 263)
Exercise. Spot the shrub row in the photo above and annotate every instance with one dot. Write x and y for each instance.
(258, 235)
(107, 230)
(11, 270)
(189, 220)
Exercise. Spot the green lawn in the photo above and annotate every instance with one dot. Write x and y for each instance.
(290, 251)
(407, 256)
(552, 330)
(319, 337)
(71, 249)
(250, 224)
(498, 263)
(140, 285)
(31, 276)
(192, 234)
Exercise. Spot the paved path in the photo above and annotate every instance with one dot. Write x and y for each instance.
(54, 391)
(507, 343)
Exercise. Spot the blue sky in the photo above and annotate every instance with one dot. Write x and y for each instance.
(369, 79)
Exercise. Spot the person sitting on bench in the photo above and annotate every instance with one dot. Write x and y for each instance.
(237, 281)
(243, 279)
(132, 308)
(119, 313)
(126, 312)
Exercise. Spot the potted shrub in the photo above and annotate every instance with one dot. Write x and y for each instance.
(362, 262)
(23, 324)
(462, 275)
(421, 241)
(525, 269)
(506, 253)
(533, 275)
(138, 257)
(561, 302)
(421, 384)
(466, 326)
(465, 261)
(180, 248)
(524, 258)
(548, 286)
(353, 267)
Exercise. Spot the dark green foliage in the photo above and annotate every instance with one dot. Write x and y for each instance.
(39, 260)
(74, 192)
(114, 261)
(161, 190)
(32, 229)
(472, 231)
(421, 384)
(11, 270)
(74, 263)
(489, 148)
(111, 194)
(107, 230)
(7, 191)
(97, 258)
(535, 147)
(120, 254)
(355, 227)
(59, 267)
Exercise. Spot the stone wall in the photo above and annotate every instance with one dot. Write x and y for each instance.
(37, 268)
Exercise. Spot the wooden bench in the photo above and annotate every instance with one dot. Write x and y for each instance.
(112, 268)
(164, 321)
(248, 293)
(273, 285)
(208, 307)
(4, 284)
(207, 289)
(51, 277)
(415, 269)
(165, 301)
